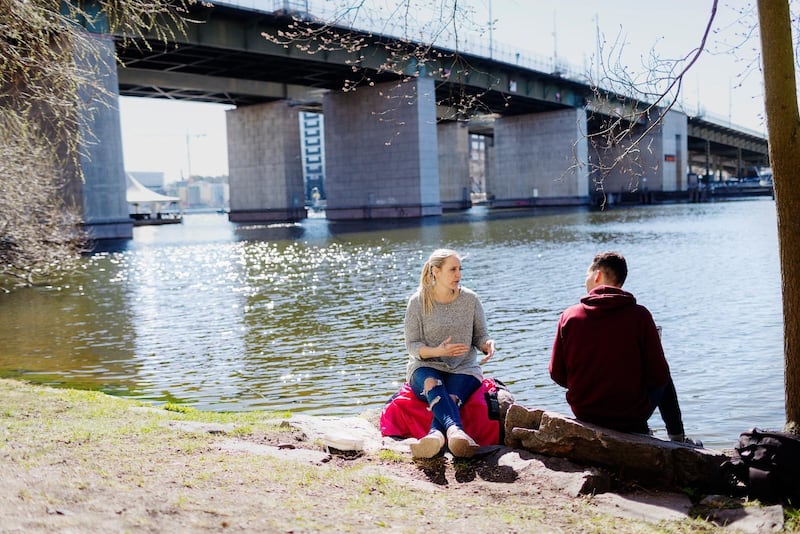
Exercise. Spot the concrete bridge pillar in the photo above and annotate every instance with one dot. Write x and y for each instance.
(265, 170)
(489, 167)
(658, 165)
(540, 160)
(674, 135)
(102, 193)
(381, 156)
(454, 180)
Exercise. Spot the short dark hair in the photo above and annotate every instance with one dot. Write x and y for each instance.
(613, 265)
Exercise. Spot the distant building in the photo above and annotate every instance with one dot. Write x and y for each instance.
(220, 195)
(194, 196)
(312, 146)
(202, 193)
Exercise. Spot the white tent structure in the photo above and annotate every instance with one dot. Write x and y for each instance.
(146, 204)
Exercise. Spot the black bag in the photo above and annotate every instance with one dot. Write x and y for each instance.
(767, 464)
(498, 400)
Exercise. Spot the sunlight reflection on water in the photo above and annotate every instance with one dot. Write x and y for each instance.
(308, 317)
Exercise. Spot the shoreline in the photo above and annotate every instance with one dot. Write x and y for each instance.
(86, 461)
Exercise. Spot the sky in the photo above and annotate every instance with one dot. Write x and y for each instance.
(725, 84)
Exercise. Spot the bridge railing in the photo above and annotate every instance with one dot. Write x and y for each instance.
(719, 120)
(366, 19)
(477, 43)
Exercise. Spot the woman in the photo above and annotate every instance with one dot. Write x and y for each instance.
(445, 327)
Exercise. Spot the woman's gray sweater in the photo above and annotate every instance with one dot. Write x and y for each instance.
(463, 319)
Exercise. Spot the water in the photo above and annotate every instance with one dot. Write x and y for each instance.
(309, 317)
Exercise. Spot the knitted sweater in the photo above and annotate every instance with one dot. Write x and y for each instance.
(462, 319)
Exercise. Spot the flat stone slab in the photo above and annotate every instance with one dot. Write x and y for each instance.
(733, 514)
(569, 478)
(751, 519)
(354, 433)
(646, 506)
(726, 512)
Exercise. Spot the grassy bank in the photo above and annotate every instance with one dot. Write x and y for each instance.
(83, 461)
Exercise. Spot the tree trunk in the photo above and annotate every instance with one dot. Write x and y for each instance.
(783, 127)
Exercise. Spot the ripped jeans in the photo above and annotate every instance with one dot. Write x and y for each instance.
(440, 397)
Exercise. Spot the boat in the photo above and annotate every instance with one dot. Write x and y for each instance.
(150, 207)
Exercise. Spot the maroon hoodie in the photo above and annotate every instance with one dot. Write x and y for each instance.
(608, 354)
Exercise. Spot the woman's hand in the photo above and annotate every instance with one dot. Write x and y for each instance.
(448, 349)
(488, 349)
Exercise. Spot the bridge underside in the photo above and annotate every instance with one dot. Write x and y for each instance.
(226, 59)
(720, 151)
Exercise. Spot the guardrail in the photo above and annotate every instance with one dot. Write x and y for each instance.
(366, 19)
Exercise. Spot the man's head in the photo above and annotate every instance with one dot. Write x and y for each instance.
(607, 269)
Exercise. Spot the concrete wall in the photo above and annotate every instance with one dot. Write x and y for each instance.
(658, 164)
(616, 169)
(381, 153)
(540, 159)
(490, 165)
(675, 154)
(454, 180)
(265, 170)
(105, 209)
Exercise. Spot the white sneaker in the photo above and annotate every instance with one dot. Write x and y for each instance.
(429, 446)
(460, 444)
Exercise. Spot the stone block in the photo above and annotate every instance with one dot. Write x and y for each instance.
(638, 458)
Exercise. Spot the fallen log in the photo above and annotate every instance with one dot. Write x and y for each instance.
(637, 458)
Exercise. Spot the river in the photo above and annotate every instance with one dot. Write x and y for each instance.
(308, 317)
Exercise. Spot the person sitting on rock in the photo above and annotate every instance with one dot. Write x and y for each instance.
(607, 352)
(445, 329)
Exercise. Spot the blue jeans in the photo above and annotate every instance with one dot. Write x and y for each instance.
(670, 409)
(439, 400)
(666, 400)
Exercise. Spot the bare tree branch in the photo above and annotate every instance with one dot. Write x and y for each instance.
(48, 89)
(625, 102)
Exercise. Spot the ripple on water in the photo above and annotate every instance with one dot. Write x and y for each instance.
(309, 317)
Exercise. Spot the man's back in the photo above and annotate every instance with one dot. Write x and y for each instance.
(608, 355)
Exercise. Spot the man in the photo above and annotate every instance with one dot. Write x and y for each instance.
(607, 353)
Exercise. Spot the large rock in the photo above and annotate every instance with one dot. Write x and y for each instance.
(631, 457)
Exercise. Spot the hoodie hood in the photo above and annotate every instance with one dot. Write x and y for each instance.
(606, 299)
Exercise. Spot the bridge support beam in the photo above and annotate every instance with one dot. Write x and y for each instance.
(265, 171)
(673, 133)
(103, 192)
(454, 179)
(657, 167)
(540, 160)
(381, 156)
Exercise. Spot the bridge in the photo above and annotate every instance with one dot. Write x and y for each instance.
(397, 141)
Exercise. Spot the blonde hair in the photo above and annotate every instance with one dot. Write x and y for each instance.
(426, 280)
